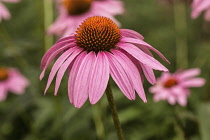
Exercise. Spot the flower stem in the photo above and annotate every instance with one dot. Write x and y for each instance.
(181, 34)
(114, 112)
(48, 19)
(97, 118)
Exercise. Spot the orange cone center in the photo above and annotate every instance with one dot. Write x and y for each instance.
(3, 74)
(98, 34)
(170, 82)
(77, 7)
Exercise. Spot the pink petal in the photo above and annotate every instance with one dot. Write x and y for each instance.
(48, 61)
(132, 71)
(143, 45)
(82, 79)
(4, 13)
(73, 74)
(53, 51)
(142, 57)
(17, 83)
(99, 77)
(164, 76)
(188, 73)
(195, 82)
(182, 100)
(204, 5)
(161, 94)
(121, 77)
(57, 65)
(66, 39)
(149, 74)
(136, 63)
(131, 34)
(171, 100)
(63, 68)
(181, 95)
(111, 7)
(155, 89)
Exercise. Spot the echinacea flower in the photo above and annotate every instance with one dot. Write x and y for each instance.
(4, 13)
(11, 81)
(175, 87)
(199, 6)
(99, 49)
(73, 12)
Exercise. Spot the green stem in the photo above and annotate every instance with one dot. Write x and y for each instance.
(114, 112)
(180, 123)
(48, 19)
(97, 118)
(181, 34)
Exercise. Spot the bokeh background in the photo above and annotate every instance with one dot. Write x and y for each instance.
(166, 26)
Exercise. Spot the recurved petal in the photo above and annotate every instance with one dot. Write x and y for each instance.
(142, 57)
(57, 65)
(121, 77)
(143, 45)
(53, 52)
(82, 80)
(63, 68)
(73, 74)
(132, 71)
(131, 34)
(99, 77)
(149, 74)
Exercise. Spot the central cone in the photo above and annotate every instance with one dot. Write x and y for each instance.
(98, 34)
(77, 7)
(170, 82)
(3, 74)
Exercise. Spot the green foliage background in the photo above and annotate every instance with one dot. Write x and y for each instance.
(34, 116)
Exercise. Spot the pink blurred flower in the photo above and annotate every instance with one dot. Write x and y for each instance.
(73, 12)
(4, 13)
(175, 87)
(99, 49)
(199, 6)
(11, 80)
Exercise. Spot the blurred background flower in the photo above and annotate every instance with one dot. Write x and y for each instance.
(174, 88)
(4, 12)
(11, 81)
(72, 12)
(199, 6)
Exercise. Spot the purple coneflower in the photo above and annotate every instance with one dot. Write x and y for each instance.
(175, 87)
(199, 6)
(99, 49)
(11, 81)
(73, 12)
(4, 13)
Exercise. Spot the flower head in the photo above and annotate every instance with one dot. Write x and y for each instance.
(198, 6)
(11, 80)
(97, 50)
(4, 13)
(73, 12)
(175, 87)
